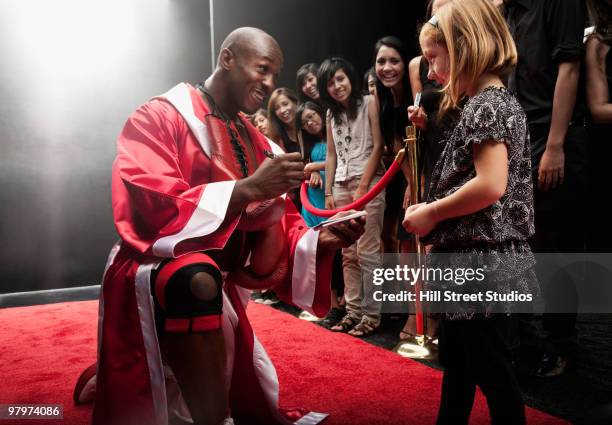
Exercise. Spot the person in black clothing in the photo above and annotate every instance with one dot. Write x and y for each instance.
(393, 95)
(599, 100)
(549, 39)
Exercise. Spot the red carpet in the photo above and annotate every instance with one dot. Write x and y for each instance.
(44, 348)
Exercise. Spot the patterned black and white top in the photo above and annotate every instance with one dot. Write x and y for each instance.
(493, 114)
(496, 236)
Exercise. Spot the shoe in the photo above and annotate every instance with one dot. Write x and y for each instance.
(551, 366)
(257, 297)
(364, 328)
(333, 317)
(269, 298)
(347, 323)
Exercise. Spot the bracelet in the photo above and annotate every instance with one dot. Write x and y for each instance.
(328, 194)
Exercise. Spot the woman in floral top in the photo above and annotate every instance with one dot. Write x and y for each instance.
(480, 205)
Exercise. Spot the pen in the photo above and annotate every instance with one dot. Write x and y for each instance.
(417, 100)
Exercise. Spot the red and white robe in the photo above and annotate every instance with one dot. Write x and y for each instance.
(165, 204)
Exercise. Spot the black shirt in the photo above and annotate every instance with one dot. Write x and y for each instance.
(546, 32)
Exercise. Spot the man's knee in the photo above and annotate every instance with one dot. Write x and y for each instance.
(190, 298)
(205, 286)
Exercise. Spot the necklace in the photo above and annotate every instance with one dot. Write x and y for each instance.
(343, 148)
(217, 112)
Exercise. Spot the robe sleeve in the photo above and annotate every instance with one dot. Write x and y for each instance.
(157, 210)
(309, 283)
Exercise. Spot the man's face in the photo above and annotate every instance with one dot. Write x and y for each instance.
(253, 76)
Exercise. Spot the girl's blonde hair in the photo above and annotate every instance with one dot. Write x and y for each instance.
(478, 42)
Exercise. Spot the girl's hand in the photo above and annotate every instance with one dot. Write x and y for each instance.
(309, 168)
(420, 219)
(359, 193)
(418, 117)
(329, 202)
(316, 180)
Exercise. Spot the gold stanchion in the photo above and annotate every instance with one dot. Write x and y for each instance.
(420, 347)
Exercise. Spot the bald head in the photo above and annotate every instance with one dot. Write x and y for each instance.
(246, 42)
(248, 67)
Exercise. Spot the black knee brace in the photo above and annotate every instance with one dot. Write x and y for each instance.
(177, 308)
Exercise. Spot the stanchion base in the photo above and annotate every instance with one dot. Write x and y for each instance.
(419, 347)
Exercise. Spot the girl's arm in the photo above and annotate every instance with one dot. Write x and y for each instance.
(417, 116)
(596, 82)
(315, 166)
(377, 150)
(415, 78)
(489, 184)
(330, 166)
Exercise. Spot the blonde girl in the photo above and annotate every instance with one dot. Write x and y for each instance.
(480, 203)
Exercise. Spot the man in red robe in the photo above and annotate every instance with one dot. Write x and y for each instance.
(188, 169)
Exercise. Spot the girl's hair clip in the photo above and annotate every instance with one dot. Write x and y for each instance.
(433, 21)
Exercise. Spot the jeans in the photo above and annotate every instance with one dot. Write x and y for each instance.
(360, 259)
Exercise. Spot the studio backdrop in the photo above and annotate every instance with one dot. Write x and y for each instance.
(72, 72)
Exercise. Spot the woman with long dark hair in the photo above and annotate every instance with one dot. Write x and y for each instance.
(281, 113)
(393, 89)
(310, 120)
(261, 122)
(306, 83)
(353, 166)
(369, 82)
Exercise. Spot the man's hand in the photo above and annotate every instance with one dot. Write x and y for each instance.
(341, 235)
(552, 168)
(276, 176)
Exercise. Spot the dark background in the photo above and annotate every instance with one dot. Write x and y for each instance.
(73, 71)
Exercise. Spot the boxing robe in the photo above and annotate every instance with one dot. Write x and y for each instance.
(166, 205)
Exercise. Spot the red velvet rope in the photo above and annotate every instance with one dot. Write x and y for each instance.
(359, 204)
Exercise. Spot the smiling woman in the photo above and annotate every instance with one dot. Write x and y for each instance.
(281, 113)
(353, 166)
(306, 82)
(393, 89)
(281, 129)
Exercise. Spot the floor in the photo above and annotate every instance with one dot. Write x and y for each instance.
(584, 391)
